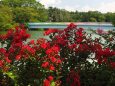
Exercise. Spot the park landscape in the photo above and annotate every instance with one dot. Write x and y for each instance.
(59, 57)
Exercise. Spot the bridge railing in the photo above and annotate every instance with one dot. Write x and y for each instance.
(64, 25)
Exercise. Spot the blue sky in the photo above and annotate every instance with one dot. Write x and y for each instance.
(82, 5)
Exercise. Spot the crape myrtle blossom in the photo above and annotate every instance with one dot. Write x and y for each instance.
(59, 59)
(76, 46)
(101, 32)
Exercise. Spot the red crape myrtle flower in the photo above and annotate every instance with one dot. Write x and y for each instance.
(71, 26)
(1, 63)
(32, 42)
(77, 46)
(8, 60)
(50, 78)
(67, 49)
(18, 57)
(49, 31)
(101, 32)
(46, 82)
(45, 64)
(73, 79)
(112, 64)
(52, 68)
(53, 50)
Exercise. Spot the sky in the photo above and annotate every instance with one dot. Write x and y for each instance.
(103, 6)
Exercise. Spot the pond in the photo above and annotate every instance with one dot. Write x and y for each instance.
(34, 34)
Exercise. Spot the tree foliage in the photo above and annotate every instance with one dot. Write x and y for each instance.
(21, 11)
(61, 15)
(5, 17)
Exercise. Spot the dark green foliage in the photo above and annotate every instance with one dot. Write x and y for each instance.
(113, 19)
(5, 80)
(6, 17)
(93, 75)
(61, 15)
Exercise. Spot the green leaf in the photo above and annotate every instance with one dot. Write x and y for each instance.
(52, 83)
(11, 75)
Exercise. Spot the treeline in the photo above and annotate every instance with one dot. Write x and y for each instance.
(22, 11)
(61, 15)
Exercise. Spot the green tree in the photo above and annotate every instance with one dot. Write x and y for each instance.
(113, 19)
(5, 17)
(26, 10)
(26, 14)
(22, 3)
(59, 15)
(76, 17)
(92, 19)
(109, 17)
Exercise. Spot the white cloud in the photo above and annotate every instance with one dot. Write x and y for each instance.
(73, 5)
(102, 7)
(86, 9)
(48, 3)
(78, 8)
(107, 7)
(69, 8)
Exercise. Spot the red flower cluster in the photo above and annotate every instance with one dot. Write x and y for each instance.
(13, 43)
(102, 55)
(67, 49)
(47, 82)
(101, 31)
(73, 79)
(52, 58)
(2, 37)
(76, 46)
(4, 59)
(49, 31)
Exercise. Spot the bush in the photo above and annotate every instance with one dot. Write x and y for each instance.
(69, 58)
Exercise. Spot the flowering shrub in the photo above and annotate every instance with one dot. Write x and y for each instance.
(61, 61)
(77, 48)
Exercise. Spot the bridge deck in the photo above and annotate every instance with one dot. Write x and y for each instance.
(64, 25)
